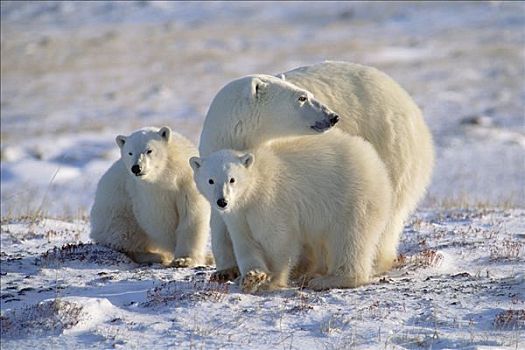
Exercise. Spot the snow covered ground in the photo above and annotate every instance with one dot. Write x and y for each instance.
(76, 74)
(460, 284)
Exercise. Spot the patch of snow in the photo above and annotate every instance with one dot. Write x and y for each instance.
(449, 290)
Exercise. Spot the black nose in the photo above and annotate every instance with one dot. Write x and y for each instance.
(135, 169)
(334, 118)
(222, 203)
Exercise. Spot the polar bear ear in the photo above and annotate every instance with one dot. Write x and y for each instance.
(247, 160)
(282, 77)
(165, 133)
(195, 163)
(121, 140)
(257, 87)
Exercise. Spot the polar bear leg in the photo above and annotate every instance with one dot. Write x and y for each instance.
(125, 235)
(114, 225)
(222, 248)
(274, 250)
(350, 255)
(250, 258)
(387, 247)
(248, 253)
(192, 232)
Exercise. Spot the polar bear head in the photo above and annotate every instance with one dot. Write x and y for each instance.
(145, 152)
(264, 107)
(223, 177)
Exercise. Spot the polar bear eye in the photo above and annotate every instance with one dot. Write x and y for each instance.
(149, 151)
(130, 153)
(302, 98)
(210, 181)
(232, 180)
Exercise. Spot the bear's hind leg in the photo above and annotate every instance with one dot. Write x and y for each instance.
(387, 247)
(350, 255)
(148, 253)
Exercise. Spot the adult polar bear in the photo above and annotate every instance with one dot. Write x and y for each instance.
(367, 102)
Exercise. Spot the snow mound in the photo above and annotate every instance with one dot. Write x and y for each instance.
(510, 319)
(85, 253)
(50, 316)
(185, 293)
(53, 317)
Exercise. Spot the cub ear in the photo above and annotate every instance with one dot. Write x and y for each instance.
(257, 87)
(165, 133)
(195, 163)
(247, 160)
(121, 140)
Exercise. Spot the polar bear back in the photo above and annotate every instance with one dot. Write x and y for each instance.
(372, 105)
(313, 182)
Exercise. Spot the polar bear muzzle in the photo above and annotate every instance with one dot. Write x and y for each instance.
(222, 203)
(326, 124)
(136, 170)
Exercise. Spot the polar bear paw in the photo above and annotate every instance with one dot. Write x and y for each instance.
(255, 280)
(182, 262)
(146, 257)
(226, 275)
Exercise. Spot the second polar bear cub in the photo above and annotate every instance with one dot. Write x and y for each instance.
(147, 204)
(314, 205)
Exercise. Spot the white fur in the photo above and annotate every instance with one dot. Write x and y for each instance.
(158, 215)
(317, 204)
(369, 104)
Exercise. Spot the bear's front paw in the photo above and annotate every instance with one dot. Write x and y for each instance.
(182, 262)
(226, 275)
(254, 280)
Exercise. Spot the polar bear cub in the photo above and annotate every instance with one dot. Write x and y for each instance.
(147, 205)
(313, 204)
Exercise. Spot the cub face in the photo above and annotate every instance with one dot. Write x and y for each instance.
(222, 178)
(144, 152)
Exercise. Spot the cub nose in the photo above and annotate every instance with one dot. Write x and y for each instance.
(135, 169)
(222, 203)
(334, 118)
